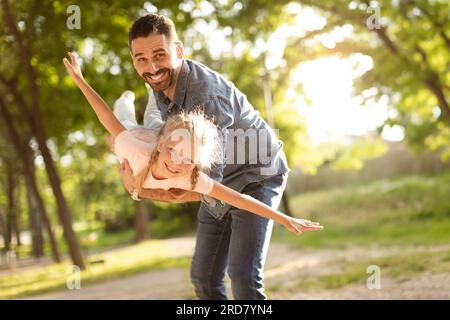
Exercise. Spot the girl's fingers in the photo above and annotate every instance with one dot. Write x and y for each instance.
(308, 224)
(73, 58)
(313, 228)
(67, 64)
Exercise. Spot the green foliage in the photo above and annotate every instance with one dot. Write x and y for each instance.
(352, 157)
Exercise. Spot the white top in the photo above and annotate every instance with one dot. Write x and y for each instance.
(137, 145)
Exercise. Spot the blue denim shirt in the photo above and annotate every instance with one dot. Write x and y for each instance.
(251, 150)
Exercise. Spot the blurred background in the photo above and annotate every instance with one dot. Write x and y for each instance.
(358, 91)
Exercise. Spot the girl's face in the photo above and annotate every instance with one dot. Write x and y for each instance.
(176, 157)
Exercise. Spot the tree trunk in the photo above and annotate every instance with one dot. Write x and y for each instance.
(37, 126)
(2, 225)
(41, 213)
(35, 214)
(64, 214)
(10, 187)
(24, 153)
(37, 240)
(16, 221)
(6, 232)
(140, 221)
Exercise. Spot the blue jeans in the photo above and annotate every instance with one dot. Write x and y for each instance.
(240, 240)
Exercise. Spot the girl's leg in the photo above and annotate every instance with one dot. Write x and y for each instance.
(124, 110)
(152, 115)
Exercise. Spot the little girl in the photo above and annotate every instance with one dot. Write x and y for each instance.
(176, 156)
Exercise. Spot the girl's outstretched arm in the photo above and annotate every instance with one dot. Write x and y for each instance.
(247, 203)
(104, 113)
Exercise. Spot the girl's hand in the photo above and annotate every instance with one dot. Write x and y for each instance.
(297, 226)
(74, 67)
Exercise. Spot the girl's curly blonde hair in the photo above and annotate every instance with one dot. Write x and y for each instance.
(205, 138)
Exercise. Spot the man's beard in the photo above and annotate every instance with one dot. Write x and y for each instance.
(168, 79)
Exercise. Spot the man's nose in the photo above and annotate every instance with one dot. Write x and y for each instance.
(152, 68)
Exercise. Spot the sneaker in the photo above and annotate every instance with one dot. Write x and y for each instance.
(124, 110)
(152, 115)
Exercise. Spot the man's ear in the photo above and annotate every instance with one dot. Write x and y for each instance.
(180, 50)
(132, 58)
(130, 47)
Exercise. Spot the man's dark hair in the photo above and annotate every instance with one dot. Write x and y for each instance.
(152, 23)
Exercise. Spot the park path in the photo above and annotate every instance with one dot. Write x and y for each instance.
(284, 265)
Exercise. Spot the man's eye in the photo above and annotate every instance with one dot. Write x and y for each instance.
(141, 59)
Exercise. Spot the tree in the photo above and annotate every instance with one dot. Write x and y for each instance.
(33, 114)
(140, 221)
(35, 199)
(408, 42)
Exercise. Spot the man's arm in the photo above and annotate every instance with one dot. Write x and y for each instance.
(126, 175)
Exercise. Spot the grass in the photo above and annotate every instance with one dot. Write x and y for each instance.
(405, 211)
(399, 267)
(133, 259)
(409, 212)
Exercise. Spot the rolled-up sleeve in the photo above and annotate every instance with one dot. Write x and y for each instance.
(224, 119)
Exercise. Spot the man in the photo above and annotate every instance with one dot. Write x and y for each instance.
(226, 237)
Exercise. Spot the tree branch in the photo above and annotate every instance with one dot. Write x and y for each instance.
(431, 80)
(25, 58)
(437, 24)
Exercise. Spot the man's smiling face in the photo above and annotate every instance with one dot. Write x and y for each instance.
(157, 59)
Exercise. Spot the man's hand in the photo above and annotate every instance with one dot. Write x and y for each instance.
(165, 196)
(110, 141)
(126, 175)
(127, 178)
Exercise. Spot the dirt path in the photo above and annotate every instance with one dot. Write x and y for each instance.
(284, 264)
